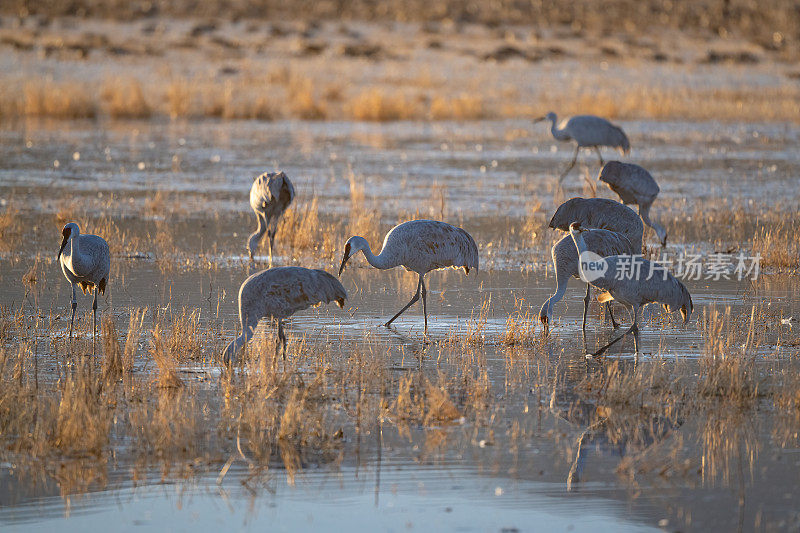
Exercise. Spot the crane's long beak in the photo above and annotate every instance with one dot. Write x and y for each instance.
(540, 119)
(63, 245)
(345, 257)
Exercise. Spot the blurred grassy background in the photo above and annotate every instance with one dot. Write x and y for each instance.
(750, 18)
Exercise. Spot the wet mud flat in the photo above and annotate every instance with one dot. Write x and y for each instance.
(368, 426)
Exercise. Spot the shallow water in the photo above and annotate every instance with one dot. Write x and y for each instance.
(383, 478)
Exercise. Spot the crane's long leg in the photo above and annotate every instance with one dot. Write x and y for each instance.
(74, 307)
(586, 305)
(281, 340)
(424, 303)
(94, 320)
(572, 164)
(271, 234)
(614, 323)
(633, 329)
(597, 149)
(409, 304)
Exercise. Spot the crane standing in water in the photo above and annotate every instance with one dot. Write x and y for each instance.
(270, 196)
(565, 264)
(588, 131)
(634, 185)
(622, 235)
(85, 261)
(419, 246)
(278, 293)
(650, 283)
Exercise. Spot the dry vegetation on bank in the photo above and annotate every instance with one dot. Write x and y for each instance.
(482, 67)
(754, 21)
(184, 98)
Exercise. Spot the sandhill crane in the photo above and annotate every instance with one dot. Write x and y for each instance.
(270, 196)
(85, 261)
(649, 283)
(565, 264)
(278, 293)
(588, 131)
(634, 185)
(419, 246)
(600, 213)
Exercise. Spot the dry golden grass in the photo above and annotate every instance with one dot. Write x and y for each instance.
(301, 230)
(302, 102)
(179, 98)
(521, 327)
(112, 366)
(625, 102)
(728, 373)
(124, 98)
(131, 348)
(778, 247)
(364, 221)
(63, 99)
(10, 228)
(462, 107)
(379, 105)
(83, 419)
(284, 92)
(162, 350)
(236, 102)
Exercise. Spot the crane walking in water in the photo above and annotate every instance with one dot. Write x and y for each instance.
(270, 196)
(634, 185)
(278, 293)
(634, 288)
(588, 131)
(85, 261)
(419, 246)
(565, 263)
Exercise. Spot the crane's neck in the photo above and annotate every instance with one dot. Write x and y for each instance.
(559, 134)
(230, 353)
(659, 229)
(255, 237)
(577, 238)
(72, 254)
(383, 260)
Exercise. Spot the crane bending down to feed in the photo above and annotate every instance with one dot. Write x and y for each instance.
(565, 263)
(634, 185)
(270, 196)
(85, 261)
(588, 131)
(278, 293)
(633, 291)
(600, 213)
(419, 246)
(597, 213)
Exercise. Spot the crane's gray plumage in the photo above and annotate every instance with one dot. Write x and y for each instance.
(270, 196)
(565, 264)
(278, 293)
(600, 213)
(635, 291)
(86, 262)
(588, 131)
(634, 185)
(419, 246)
